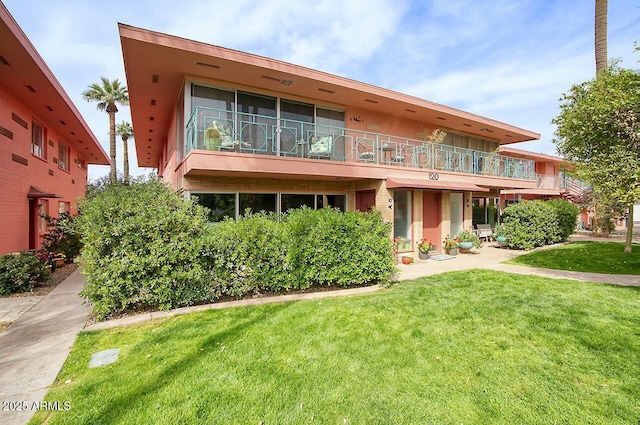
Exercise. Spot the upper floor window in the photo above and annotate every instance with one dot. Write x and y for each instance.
(82, 163)
(38, 140)
(63, 156)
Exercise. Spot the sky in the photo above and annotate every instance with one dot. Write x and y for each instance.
(508, 60)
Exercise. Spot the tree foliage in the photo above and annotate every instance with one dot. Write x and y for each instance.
(107, 95)
(598, 129)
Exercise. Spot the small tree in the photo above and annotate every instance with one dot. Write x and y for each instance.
(598, 129)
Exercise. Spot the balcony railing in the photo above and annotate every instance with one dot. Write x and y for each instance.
(564, 183)
(228, 131)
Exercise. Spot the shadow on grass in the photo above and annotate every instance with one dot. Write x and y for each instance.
(115, 410)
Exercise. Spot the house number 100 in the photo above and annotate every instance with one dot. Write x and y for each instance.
(434, 176)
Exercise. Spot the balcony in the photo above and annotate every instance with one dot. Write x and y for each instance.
(227, 131)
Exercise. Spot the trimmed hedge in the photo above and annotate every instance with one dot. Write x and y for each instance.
(145, 247)
(20, 272)
(530, 224)
(328, 247)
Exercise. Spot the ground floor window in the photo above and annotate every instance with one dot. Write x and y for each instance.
(221, 205)
(257, 202)
(402, 218)
(485, 211)
(233, 205)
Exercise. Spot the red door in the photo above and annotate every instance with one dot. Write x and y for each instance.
(431, 218)
(365, 200)
(33, 223)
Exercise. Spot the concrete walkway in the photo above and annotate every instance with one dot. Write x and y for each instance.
(491, 257)
(35, 346)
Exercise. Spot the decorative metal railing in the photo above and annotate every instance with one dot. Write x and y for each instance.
(562, 182)
(228, 131)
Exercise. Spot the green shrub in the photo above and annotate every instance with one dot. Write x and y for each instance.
(146, 247)
(248, 256)
(62, 237)
(327, 247)
(531, 224)
(142, 248)
(20, 272)
(567, 214)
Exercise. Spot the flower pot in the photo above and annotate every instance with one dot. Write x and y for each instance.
(407, 260)
(452, 251)
(466, 245)
(501, 239)
(423, 255)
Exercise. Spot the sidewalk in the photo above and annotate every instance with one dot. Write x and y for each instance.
(490, 257)
(35, 346)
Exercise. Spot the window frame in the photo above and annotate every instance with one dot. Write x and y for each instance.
(62, 147)
(41, 151)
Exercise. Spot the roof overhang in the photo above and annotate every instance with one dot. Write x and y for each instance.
(157, 64)
(35, 193)
(402, 183)
(537, 157)
(28, 78)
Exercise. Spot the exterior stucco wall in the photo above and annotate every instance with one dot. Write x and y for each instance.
(21, 169)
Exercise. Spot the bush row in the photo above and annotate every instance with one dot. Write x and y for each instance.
(147, 247)
(530, 224)
(20, 272)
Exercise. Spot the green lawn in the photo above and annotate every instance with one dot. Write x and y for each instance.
(592, 257)
(472, 347)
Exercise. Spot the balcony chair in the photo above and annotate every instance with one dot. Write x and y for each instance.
(365, 150)
(321, 147)
(218, 136)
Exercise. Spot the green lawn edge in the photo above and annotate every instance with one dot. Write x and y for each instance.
(476, 346)
(589, 257)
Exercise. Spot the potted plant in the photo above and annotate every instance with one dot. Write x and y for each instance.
(424, 246)
(500, 234)
(450, 245)
(407, 259)
(468, 239)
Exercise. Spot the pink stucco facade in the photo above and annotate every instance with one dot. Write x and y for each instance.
(235, 127)
(45, 145)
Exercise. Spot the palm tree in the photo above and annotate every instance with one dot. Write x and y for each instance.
(601, 35)
(107, 95)
(125, 131)
(600, 38)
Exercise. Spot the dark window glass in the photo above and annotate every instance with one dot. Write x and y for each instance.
(257, 105)
(291, 201)
(257, 202)
(330, 118)
(296, 111)
(210, 97)
(332, 201)
(221, 205)
(337, 201)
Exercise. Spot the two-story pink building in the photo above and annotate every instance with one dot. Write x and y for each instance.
(243, 131)
(45, 145)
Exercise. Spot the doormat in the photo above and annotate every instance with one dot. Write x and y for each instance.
(442, 257)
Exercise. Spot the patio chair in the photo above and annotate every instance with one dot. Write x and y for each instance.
(484, 231)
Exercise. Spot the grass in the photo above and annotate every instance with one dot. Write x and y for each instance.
(470, 347)
(592, 257)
